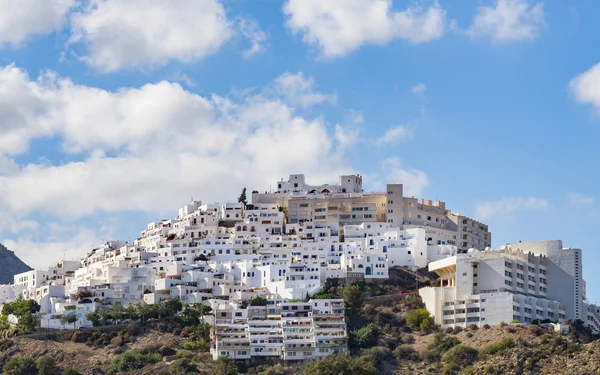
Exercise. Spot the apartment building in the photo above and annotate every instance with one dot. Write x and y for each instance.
(347, 204)
(520, 281)
(291, 331)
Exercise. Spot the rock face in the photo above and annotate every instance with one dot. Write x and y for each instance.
(10, 265)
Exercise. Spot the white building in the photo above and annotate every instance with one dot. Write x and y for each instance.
(290, 331)
(522, 281)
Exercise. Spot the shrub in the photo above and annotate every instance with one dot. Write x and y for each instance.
(365, 337)
(339, 364)
(197, 345)
(443, 343)
(469, 335)
(473, 327)
(461, 356)
(511, 329)
(20, 366)
(536, 330)
(487, 326)
(5, 344)
(448, 330)
(431, 356)
(132, 360)
(377, 355)
(407, 339)
(457, 330)
(499, 347)
(46, 365)
(71, 371)
(182, 366)
(368, 309)
(406, 353)
(416, 318)
(166, 351)
(226, 366)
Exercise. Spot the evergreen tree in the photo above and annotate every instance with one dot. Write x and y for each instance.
(243, 198)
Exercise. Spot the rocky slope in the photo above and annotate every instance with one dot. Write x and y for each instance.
(532, 350)
(10, 265)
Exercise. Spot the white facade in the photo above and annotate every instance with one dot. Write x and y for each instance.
(291, 331)
(517, 282)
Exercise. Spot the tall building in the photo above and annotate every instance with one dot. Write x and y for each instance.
(520, 281)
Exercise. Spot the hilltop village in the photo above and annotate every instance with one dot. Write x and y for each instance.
(281, 248)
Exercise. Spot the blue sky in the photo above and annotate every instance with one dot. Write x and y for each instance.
(114, 113)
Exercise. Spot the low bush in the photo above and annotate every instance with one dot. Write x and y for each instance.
(197, 345)
(473, 327)
(365, 337)
(443, 343)
(20, 366)
(487, 326)
(457, 330)
(5, 344)
(460, 357)
(499, 347)
(407, 339)
(406, 353)
(183, 366)
(46, 365)
(70, 371)
(419, 319)
(132, 360)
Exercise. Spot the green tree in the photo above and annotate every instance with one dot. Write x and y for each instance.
(116, 311)
(243, 199)
(172, 306)
(94, 317)
(20, 366)
(23, 310)
(353, 298)
(365, 337)
(337, 364)
(46, 365)
(226, 366)
(258, 301)
(131, 313)
(70, 318)
(419, 319)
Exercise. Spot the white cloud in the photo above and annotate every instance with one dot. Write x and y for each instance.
(39, 254)
(346, 136)
(586, 87)
(395, 134)
(508, 21)
(22, 19)
(505, 206)
(339, 27)
(300, 91)
(250, 30)
(140, 33)
(577, 198)
(392, 172)
(419, 89)
(165, 143)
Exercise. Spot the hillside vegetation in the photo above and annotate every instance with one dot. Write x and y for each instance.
(388, 334)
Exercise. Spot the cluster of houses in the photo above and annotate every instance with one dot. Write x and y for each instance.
(286, 243)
